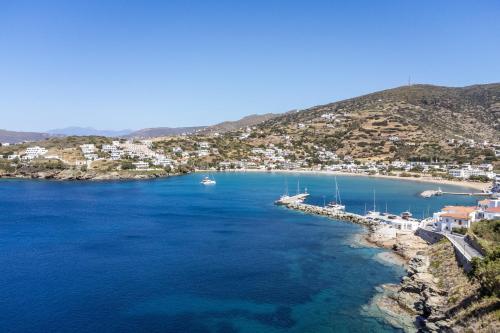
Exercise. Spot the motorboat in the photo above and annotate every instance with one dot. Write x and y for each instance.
(208, 181)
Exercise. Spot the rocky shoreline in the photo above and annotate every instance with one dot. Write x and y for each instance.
(70, 174)
(434, 296)
(409, 304)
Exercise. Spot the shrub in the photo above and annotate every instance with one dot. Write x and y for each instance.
(127, 165)
(460, 230)
(482, 179)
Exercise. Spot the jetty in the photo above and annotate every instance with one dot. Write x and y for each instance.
(431, 193)
(287, 200)
(325, 211)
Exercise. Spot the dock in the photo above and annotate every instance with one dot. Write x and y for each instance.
(431, 193)
(287, 200)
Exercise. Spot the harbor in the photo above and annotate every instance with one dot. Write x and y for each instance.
(373, 218)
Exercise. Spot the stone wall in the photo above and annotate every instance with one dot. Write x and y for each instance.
(429, 236)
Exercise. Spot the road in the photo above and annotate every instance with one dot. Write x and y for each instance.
(464, 247)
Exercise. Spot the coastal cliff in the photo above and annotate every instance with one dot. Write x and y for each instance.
(435, 295)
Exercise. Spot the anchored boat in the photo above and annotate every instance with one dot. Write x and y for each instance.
(208, 181)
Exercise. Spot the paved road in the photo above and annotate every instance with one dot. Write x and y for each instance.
(459, 243)
(464, 247)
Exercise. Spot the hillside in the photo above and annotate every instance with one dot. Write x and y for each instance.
(418, 121)
(247, 121)
(223, 127)
(16, 137)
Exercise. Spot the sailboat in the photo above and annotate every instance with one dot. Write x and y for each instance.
(285, 195)
(337, 204)
(373, 213)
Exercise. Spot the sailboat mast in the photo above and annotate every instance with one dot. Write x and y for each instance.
(374, 207)
(337, 192)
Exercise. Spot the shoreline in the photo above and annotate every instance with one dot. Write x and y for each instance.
(138, 176)
(431, 180)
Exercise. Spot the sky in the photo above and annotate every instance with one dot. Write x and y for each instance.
(136, 64)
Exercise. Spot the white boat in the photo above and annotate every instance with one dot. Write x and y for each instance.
(373, 213)
(406, 215)
(337, 204)
(208, 181)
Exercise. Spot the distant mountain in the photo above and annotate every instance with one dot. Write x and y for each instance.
(247, 121)
(87, 131)
(226, 126)
(163, 131)
(17, 137)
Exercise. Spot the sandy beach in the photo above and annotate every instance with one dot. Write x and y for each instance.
(438, 181)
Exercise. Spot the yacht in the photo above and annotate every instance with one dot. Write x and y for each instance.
(208, 181)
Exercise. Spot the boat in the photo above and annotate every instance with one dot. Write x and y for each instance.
(337, 204)
(208, 181)
(374, 213)
(406, 215)
(286, 199)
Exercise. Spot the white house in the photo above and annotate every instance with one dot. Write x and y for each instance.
(455, 217)
(34, 152)
(91, 156)
(88, 148)
(141, 165)
(203, 152)
(204, 145)
(492, 213)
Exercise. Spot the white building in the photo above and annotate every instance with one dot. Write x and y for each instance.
(147, 143)
(203, 152)
(492, 213)
(34, 152)
(141, 165)
(87, 148)
(328, 116)
(467, 172)
(91, 156)
(204, 145)
(455, 217)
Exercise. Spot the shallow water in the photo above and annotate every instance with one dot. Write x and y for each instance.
(172, 255)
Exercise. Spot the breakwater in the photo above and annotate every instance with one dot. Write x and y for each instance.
(331, 213)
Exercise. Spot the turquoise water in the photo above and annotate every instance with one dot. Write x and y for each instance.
(172, 255)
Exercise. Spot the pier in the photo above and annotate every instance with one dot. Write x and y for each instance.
(431, 193)
(325, 211)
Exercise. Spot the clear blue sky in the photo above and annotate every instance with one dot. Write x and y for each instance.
(134, 64)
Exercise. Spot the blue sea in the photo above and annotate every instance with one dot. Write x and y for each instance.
(171, 255)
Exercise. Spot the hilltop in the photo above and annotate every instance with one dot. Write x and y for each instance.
(251, 120)
(418, 121)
